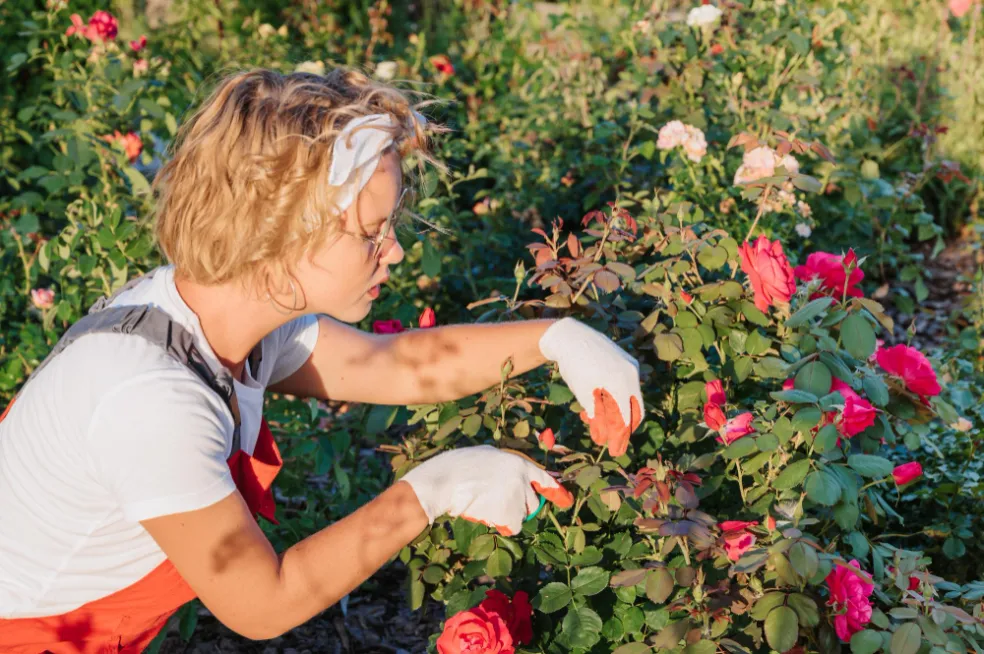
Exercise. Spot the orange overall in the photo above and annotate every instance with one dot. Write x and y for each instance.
(130, 618)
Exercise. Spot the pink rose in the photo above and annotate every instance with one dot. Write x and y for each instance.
(715, 392)
(43, 298)
(78, 26)
(517, 613)
(849, 596)
(737, 427)
(547, 439)
(960, 7)
(140, 67)
(831, 270)
(912, 367)
(103, 26)
(427, 319)
(907, 473)
(139, 44)
(671, 135)
(475, 632)
(858, 413)
(737, 538)
(769, 272)
(387, 326)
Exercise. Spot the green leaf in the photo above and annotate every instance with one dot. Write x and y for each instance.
(701, 647)
(806, 419)
(482, 547)
(765, 604)
(806, 182)
(138, 183)
(858, 337)
(804, 560)
(559, 394)
(633, 648)
(822, 488)
(869, 465)
(954, 548)
(767, 442)
(907, 639)
(753, 315)
(553, 597)
(659, 585)
(782, 629)
(756, 343)
(866, 642)
(806, 609)
(713, 257)
(499, 564)
(814, 378)
(582, 627)
(809, 311)
(794, 396)
(770, 368)
(380, 418)
(741, 447)
(590, 581)
(792, 475)
(430, 262)
(669, 347)
(433, 574)
(826, 439)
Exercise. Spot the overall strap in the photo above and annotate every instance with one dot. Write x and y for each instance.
(157, 327)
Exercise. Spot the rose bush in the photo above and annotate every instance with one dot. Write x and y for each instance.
(665, 547)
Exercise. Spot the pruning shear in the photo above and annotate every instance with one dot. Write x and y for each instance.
(543, 500)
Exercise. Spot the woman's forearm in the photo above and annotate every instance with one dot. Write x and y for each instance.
(321, 569)
(446, 363)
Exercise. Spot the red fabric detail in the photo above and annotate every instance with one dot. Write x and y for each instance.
(126, 621)
(254, 475)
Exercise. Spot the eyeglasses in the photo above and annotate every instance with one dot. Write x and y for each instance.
(378, 241)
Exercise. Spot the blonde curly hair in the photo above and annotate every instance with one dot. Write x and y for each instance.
(245, 193)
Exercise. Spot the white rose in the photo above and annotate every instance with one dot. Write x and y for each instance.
(386, 70)
(756, 164)
(703, 16)
(804, 230)
(314, 67)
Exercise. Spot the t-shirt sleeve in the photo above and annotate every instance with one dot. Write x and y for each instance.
(161, 441)
(288, 348)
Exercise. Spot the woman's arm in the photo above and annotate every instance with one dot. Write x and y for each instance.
(420, 366)
(224, 556)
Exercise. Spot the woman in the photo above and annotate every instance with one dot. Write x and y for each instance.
(135, 460)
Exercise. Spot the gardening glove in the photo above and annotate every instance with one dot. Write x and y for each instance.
(603, 378)
(484, 484)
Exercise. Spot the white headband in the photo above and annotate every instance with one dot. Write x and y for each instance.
(357, 154)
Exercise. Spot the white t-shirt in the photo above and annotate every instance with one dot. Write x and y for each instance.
(113, 431)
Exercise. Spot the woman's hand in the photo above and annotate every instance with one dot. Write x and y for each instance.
(484, 484)
(603, 378)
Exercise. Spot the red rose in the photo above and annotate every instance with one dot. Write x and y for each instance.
(102, 27)
(547, 439)
(686, 297)
(737, 538)
(858, 413)
(387, 327)
(960, 7)
(769, 272)
(737, 427)
(518, 613)
(850, 598)
(714, 416)
(715, 392)
(442, 64)
(832, 271)
(475, 632)
(915, 370)
(132, 144)
(427, 319)
(907, 473)
(139, 44)
(717, 49)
